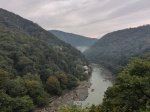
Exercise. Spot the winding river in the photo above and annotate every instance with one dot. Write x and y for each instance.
(100, 80)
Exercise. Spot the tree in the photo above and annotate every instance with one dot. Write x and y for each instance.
(131, 91)
(72, 81)
(3, 78)
(36, 91)
(53, 85)
(45, 74)
(5, 102)
(62, 78)
(22, 104)
(25, 65)
(16, 87)
(31, 77)
(147, 107)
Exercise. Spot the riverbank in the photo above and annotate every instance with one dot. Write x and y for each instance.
(78, 94)
(107, 75)
(100, 80)
(91, 91)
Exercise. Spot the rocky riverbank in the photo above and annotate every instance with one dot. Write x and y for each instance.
(78, 94)
(107, 75)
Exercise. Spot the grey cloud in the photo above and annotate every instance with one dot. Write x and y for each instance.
(86, 17)
(130, 9)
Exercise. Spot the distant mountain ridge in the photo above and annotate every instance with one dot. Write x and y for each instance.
(75, 40)
(115, 49)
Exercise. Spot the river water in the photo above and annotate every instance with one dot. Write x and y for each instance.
(100, 81)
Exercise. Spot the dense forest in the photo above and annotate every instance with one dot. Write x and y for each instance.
(130, 93)
(115, 49)
(34, 64)
(77, 41)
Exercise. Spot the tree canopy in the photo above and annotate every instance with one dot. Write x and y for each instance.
(115, 49)
(29, 57)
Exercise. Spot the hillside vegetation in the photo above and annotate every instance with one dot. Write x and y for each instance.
(130, 93)
(34, 64)
(77, 41)
(115, 49)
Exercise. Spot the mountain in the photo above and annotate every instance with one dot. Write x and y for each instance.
(115, 49)
(18, 24)
(33, 64)
(78, 41)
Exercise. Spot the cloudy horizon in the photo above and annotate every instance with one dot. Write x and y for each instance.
(91, 18)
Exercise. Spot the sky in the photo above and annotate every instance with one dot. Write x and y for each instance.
(91, 18)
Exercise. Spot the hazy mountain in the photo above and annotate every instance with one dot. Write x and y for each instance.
(33, 62)
(115, 49)
(78, 41)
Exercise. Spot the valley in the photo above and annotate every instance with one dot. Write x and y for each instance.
(78, 41)
(54, 71)
(83, 95)
(100, 80)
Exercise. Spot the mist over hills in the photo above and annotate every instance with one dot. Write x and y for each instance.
(78, 41)
(115, 49)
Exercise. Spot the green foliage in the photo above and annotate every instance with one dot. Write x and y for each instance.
(29, 56)
(147, 107)
(34, 50)
(53, 85)
(16, 87)
(18, 104)
(22, 104)
(75, 108)
(31, 77)
(36, 92)
(131, 91)
(5, 102)
(114, 50)
(72, 82)
(63, 79)
(72, 108)
(46, 73)
(3, 78)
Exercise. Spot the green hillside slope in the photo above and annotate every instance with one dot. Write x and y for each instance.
(115, 49)
(33, 63)
(77, 41)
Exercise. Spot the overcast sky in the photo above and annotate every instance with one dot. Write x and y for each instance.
(92, 18)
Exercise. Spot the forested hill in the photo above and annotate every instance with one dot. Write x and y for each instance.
(17, 23)
(73, 39)
(33, 63)
(130, 93)
(115, 49)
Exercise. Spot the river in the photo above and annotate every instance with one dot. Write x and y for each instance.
(100, 80)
